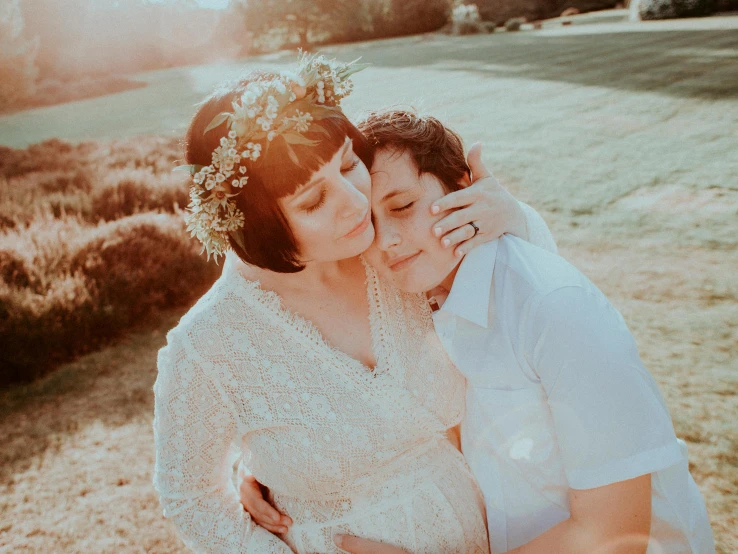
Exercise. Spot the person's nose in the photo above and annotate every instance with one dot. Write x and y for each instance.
(386, 236)
(355, 203)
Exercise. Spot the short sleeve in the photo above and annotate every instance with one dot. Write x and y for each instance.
(610, 419)
(538, 232)
(194, 430)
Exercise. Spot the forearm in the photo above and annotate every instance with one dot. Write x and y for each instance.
(613, 519)
(572, 537)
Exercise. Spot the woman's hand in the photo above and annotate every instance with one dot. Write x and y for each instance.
(263, 513)
(485, 203)
(355, 545)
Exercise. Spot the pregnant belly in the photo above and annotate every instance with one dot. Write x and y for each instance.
(432, 505)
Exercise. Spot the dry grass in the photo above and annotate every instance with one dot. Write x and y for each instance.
(50, 92)
(623, 140)
(78, 449)
(84, 230)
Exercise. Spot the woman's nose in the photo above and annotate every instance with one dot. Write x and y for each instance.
(385, 235)
(355, 202)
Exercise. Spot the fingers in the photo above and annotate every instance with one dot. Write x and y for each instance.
(458, 236)
(453, 200)
(265, 515)
(474, 161)
(456, 219)
(469, 245)
(349, 544)
(276, 529)
(260, 510)
(464, 197)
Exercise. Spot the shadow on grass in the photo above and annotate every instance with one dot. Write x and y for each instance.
(684, 63)
(111, 387)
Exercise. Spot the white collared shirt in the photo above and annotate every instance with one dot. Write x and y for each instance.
(558, 398)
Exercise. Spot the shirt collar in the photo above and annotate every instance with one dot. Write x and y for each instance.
(469, 295)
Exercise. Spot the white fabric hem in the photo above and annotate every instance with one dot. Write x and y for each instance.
(629, 468)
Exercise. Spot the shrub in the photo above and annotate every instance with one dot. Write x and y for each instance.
(69, 287)
(409, 17)
(51, 91)
(82, 255)
(91, 180)
(669, 9)
(465, 13)
(514, 23)
(125, 192)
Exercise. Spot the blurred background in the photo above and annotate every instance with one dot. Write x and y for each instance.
(616, 121)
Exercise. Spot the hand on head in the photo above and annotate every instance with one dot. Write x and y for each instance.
(484, 202)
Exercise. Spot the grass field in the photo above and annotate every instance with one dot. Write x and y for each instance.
(623, 136)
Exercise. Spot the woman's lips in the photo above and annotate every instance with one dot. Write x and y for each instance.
(397, 264)
(361, 227)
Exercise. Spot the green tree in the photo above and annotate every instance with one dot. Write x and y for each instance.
(307, 20)
(18, 72)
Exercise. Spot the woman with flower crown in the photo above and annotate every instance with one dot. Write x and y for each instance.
(331, 384)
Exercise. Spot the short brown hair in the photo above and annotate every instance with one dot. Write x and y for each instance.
(434, 148)
(268, 240)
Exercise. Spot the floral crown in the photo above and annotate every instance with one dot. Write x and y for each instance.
(284, 106)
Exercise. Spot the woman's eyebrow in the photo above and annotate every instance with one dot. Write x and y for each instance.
(310, 184)
(391, 194)
(307, 188)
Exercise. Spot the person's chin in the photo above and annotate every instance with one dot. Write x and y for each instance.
(361, 244)
(414, 283)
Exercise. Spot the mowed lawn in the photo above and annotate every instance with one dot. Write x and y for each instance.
(623, 136)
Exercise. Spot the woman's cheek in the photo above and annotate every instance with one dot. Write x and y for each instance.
(362, 180)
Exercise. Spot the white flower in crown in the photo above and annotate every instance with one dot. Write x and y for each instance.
(284, 106)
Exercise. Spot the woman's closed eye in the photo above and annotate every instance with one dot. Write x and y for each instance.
(351, 167)
(318, 203)
(403, 208)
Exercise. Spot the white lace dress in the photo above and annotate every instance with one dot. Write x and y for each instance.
(344, 449)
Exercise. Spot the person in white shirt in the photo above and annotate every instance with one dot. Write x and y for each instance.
(565, 430)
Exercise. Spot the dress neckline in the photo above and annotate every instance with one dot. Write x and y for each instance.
(272, 302)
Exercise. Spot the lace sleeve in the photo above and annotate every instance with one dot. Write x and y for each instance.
(538, 232)
(194, 428)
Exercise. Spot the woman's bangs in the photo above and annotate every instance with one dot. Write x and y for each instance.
(278, 171)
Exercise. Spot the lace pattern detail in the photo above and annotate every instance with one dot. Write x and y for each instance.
(341, 447)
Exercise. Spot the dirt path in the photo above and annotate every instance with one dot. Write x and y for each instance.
(624, 140)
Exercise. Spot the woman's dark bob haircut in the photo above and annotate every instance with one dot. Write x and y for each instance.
(268, 239)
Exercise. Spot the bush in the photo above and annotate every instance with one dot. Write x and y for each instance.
(514, 23)
(669, 9)
(49, 92)
(535, 10)
(69, 287)
(279, 23)
(126, 192)
(90, 180)
(410, 17)
(465, 13)
(82, 255)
